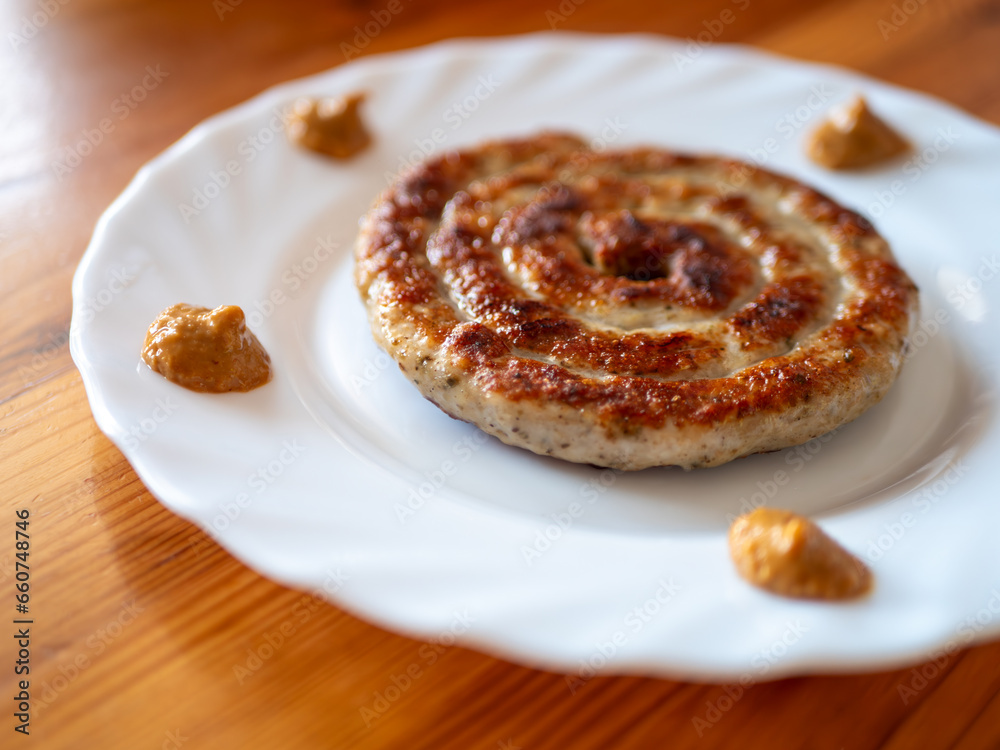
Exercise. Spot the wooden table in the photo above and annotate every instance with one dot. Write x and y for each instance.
(146, 634)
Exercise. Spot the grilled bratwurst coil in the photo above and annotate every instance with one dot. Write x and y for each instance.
(634, 308)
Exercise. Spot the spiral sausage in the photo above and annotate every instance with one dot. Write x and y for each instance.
(633, 308)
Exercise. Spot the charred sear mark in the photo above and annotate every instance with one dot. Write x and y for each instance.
(535, 325)
(548, 215)
(729, 204)
(637, 250)
(547, 328)
(558, 197)
(779, 312)
(475, 345)
(700, 271)
(423, 191)
(699, 266)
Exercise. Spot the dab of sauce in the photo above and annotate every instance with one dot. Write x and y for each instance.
(206, 350)
(787, 554)
(853, 136)
(329, 126)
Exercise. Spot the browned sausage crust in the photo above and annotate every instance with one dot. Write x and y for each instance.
(633, 308)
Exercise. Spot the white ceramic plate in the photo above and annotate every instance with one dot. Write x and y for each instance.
(339, 476)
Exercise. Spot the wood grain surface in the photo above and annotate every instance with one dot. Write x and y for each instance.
(146, 634)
